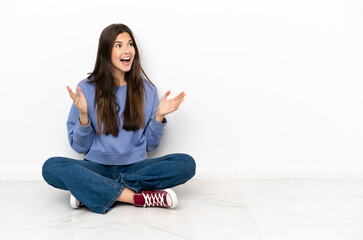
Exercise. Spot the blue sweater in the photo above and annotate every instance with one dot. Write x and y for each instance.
(130, 146)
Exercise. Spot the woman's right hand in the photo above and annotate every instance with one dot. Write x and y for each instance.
(80, 102)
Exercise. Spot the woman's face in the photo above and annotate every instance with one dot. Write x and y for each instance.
(122, 54)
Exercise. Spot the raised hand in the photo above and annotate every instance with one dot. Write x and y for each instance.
(168, 106)
(79, 101)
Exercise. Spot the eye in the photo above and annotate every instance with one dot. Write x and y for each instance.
(118, 45)
(131, 44)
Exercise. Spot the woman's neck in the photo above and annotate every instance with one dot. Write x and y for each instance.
(120, 79)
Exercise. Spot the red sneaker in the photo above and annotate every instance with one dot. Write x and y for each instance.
(156, 198)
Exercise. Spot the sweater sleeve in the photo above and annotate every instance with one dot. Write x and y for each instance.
(154, 129)
(80, 137)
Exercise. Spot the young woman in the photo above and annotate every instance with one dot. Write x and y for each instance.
(116, 117)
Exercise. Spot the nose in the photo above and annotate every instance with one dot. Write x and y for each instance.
(126, 49)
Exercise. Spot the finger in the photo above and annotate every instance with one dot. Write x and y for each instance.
(180, 101)
(69, 90)
(166, 95)
(80, 92)
(76, 102)
(71, 94)
(181, 95)
(178, 104)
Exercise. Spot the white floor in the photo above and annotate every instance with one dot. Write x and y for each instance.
(208, 209)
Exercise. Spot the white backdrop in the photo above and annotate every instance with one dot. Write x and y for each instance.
(273, 87)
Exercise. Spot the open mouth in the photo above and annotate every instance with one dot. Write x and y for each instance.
(126, 61)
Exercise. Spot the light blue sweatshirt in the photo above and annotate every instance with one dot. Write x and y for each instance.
(130, 146)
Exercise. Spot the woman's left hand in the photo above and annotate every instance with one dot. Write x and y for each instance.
(168, 106)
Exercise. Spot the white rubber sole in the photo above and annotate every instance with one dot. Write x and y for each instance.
(171, 198)
(74, 202)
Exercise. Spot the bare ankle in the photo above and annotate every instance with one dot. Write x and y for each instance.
(127, 196)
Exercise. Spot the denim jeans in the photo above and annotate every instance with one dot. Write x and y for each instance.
(98, 186)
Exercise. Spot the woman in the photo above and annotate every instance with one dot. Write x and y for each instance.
(116, 117)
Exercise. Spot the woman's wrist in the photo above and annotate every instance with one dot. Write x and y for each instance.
(83, 119)
(159, 117)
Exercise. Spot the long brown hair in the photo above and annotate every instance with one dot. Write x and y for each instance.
(105, 96)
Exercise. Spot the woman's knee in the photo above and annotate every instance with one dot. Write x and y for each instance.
(188, 165)
(51, 166)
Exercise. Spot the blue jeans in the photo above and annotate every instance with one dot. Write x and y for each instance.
(98, 186)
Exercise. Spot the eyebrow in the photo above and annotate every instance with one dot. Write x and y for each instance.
(121, 42)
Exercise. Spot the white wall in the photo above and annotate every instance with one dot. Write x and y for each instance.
(273, 87)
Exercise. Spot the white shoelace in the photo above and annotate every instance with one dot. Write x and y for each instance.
(152, 200)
